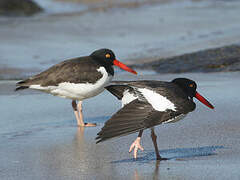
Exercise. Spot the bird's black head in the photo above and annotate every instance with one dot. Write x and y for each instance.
(107, 58)
(190, 88)
(187, 85)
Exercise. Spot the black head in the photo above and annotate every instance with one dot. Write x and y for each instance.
(190, 88)
(107, 58)
(187, 85)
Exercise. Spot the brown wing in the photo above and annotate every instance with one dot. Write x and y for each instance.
(75, 71)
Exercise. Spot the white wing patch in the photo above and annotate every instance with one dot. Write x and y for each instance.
(127, 97)
(158, 102)
(175, 119)
(78, 91)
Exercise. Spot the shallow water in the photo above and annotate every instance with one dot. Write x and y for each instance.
(39, 139)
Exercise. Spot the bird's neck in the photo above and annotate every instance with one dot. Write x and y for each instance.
(109, 69)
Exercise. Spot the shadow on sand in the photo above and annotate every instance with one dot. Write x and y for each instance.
(176, 154)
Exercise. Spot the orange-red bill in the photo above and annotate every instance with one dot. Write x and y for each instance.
(123, 66)
(203, 100)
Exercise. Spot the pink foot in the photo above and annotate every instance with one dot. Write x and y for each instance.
(136, 145)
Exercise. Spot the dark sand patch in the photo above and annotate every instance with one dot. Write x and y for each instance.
(19, 8)
(222, 59)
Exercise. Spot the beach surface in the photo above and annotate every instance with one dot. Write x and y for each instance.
(40, 140)
(38, 135)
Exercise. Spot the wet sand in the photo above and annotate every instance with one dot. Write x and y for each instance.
(38, 134)
(39, 139)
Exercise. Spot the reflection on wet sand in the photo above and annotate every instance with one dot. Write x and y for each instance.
(57, 150)
(155, 174)
(156, 171)
(79, 138)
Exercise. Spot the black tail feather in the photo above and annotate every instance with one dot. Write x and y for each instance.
(21, 85)
(117, 90)
(21, 88)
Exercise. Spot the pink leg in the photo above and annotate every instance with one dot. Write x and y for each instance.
(81, 116)
(77, 108)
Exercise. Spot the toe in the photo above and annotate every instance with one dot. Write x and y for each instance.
(161, 159)
(90, 124)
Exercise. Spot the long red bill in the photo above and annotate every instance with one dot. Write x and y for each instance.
(203, 100)
(123, 66)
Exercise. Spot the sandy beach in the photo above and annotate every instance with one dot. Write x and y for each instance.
(39, 139)
(38, 134)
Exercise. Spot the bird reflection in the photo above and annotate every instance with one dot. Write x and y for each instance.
(155, 173)
(79, 138)
(136, 176)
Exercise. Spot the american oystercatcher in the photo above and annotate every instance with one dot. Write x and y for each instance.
(77, 79)
(147, 104)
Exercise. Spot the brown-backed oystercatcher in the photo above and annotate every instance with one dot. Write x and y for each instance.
(147, 104)
(77, 79)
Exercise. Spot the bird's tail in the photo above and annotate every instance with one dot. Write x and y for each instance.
(21, 88)
(21, 85)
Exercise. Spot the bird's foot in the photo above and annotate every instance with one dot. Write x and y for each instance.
(88, 125)
(159, 158)
(136, 145)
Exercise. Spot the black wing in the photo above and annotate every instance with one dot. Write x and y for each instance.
(117, 88)
(133, 117)
(167, 89)
(78, 70)
(139, 114)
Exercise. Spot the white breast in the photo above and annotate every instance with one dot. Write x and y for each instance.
(78, 91)
(158, 102)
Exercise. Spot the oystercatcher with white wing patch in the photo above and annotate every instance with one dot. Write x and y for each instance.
(147, 104)
(77, 79)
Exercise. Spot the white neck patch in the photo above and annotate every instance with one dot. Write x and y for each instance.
(158, 102)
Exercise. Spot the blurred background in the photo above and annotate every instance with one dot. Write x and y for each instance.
(37, 34)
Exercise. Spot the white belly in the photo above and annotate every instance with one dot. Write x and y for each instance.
(78, 91)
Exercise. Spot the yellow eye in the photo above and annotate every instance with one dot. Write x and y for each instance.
(107, 55)
(191, 85)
